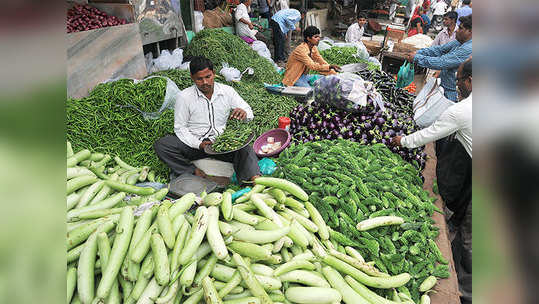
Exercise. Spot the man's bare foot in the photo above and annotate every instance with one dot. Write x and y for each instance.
(200, 173)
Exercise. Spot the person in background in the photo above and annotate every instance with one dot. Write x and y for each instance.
(306, 58)
(278, 5)
(356, 30)
(200, 115)
(264, 8)
(454, 4)
(426, 20)
(282, 23)
(447, 57)
(448, 33)
(244, 26)
(216, 17)
(416, 24)
(426, 7)
(454, 173)
(464, 10)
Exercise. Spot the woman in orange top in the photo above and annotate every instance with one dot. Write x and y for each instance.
(305, 58)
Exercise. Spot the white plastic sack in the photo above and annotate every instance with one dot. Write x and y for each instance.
(325, 44)
(199, 19)
(164, 61)
(346, 91)
(430, 103)
(261, 48)
(419, 41)
(362, 51)
(230, 73)
(167, 61)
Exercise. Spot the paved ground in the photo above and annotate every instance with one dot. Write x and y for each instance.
(447, 289)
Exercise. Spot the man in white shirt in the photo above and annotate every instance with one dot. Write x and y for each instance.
(244, 26)
(454, 172)
(356, 30)
(200, 116)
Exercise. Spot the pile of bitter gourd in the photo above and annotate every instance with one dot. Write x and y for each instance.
(349, 183)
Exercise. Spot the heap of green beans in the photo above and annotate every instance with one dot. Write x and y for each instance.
(234, 136)
(220, 47)
(267, 107)
(101, 122)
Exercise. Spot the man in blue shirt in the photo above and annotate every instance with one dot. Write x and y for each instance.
(282, 23)
(464, 10)
(448, 57)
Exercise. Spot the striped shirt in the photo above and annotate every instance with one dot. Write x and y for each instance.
(446, 58)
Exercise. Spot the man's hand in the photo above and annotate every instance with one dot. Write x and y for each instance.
(204, 143)
(335, 67)
(396, 141)
(436, 74)
(238, 113)
(251, 26)
(410, 56)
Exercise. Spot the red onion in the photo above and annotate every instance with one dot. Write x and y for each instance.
(85, 17)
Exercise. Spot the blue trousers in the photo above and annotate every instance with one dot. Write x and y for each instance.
(303, 81)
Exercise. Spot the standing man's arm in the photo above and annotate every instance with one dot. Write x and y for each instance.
(448, 61)
(181, 119)
(446, 125)
(438, 50)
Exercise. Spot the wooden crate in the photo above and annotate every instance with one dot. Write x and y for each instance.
(402, 47)
(373, 47)
(98, 55)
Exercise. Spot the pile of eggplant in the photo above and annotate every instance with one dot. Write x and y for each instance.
(369, 125)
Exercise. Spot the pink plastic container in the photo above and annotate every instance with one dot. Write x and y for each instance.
(279, 135)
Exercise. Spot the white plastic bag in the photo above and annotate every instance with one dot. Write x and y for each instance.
(177, 58)
(164, 61)
(167, 61)
(199, 19)
(261, 48)
(346, 91)
(325, 44)
(362, 51)
(430, 103)
(230, 73)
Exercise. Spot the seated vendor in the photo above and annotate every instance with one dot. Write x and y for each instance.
(217, 17)
(244, 27)
(306, 58)
(200, 116)
(356, 30)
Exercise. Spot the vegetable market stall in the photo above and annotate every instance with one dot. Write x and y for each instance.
(277, 206)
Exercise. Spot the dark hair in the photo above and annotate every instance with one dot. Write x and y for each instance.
(466, 2)
(452, 15)
(466, 22)
(302, 11)
(199, 63)
(310, 31)
(362, 16)
(467, 69)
